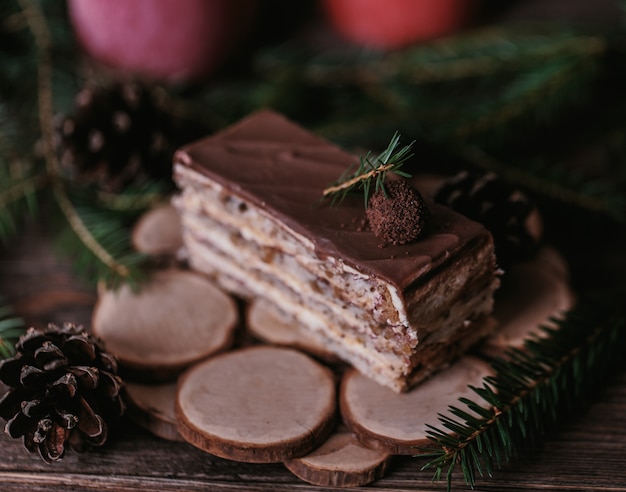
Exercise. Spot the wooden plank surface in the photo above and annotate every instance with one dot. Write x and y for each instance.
(585, 453)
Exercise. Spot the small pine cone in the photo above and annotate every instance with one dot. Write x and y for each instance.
(120, 134)
(63, 390)
(505, 211)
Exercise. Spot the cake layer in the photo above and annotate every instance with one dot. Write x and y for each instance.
(252, 218)
(250, 262)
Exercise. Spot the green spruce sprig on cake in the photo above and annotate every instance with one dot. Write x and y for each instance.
(395, 210)
(370, 170)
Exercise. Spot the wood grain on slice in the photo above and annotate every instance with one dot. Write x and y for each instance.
(397, 422)
(550, 258)
(531, 295)
(266, 323)
(259, 404)
(176, 319)
(342, 461)
(158, 232)
(152, 406)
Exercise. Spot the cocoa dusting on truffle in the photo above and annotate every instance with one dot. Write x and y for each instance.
(399, 217)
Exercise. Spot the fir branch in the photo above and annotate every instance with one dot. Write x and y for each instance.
(539, 91)
(19, 181)
(532, 389)
(110, 257)
(482, 53)
(370, 171)
(87, 236)
(11, 328)
(105, 249)
(455, 87)
(14, 199)
(41, 35)
(133, 199)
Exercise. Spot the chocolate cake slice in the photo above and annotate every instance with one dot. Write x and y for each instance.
(252, 220)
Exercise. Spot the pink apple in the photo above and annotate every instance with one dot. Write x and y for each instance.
(173, 40)
(390, 24)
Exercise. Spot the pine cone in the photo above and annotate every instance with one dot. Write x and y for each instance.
(63, 389)
(505, 211)
(121, 134)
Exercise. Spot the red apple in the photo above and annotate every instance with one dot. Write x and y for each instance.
(173, 40)
(390, 24)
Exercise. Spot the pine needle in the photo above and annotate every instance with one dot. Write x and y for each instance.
(134, 199)
(454, 88)
(479, 54)
(19, 182)
(11, 328)
(98, 242)
(537, 93)
(532, 388)
(370, 171)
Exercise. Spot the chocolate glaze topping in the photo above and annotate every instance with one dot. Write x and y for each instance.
(283, 169)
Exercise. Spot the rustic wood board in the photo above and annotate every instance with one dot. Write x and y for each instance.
(586, 454)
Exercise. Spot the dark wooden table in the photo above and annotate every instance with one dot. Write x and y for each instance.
(584, 453)
(587, 452)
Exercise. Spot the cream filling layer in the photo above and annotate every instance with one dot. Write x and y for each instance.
(205, 198)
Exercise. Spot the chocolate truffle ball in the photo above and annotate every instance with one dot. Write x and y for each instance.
(400, 216)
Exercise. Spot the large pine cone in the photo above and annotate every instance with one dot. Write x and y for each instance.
(121, 134)
(507, 212)
(63, 389)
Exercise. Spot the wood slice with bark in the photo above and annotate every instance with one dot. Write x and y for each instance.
(533, 294)
(265, 322)
(397, 422)
(258, 404)
(550, 258)
(342, 461)
(152, 406)
(158, 232)
(177, 319)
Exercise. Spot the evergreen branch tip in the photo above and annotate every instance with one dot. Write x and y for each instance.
(529, 390)
(370, 170)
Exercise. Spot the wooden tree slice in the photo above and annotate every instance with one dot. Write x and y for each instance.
(342, 461)
(175, 320)
(397, 422)
(259, 404)
(531, 295)
(158, 232)
(152, 406)
(266, 323)
(550, 258)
